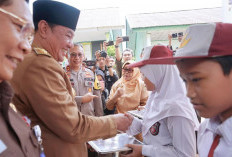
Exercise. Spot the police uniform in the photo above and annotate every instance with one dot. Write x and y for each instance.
(16, 137)
(83, 83)
(207, 132)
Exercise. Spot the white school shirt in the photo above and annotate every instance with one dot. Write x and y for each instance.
(169, 139)
(208, 130)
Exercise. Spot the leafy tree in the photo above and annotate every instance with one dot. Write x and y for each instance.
(111, 50)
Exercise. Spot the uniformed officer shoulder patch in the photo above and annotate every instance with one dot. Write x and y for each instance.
(40, 51)
(88, 75)
(154, 129)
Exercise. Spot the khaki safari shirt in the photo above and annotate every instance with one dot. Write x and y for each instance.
(43, 92)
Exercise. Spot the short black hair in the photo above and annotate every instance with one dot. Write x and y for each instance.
(8, 2)
(225, 63)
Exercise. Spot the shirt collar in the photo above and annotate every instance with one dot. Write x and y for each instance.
(76, 72)
(223, 129)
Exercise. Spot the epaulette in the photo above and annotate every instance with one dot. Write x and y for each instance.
(68, 71)
(40, 51)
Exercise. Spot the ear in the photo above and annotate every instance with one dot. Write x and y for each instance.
(43, 29)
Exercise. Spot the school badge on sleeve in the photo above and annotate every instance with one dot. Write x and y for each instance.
(154, 129)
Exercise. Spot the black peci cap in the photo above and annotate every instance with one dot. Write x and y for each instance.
(56, 13)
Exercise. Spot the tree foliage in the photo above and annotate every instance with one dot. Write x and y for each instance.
(111, 50)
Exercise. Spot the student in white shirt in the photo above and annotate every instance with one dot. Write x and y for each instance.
(204, 60)
(170, 121)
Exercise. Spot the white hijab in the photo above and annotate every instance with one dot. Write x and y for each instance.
(169, 97)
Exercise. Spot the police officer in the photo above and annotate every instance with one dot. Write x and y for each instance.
(43, 91)
(82, 79)
(16, 137)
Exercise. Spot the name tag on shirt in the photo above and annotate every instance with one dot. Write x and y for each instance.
(88, 83)
(89, 79)
(2, 146)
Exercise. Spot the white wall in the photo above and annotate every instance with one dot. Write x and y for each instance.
(227, 11)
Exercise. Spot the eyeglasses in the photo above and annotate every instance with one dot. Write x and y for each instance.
(73, 54)
(128, 70)
(26, 29)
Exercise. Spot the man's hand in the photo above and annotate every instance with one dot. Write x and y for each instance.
(122, 121)
(118, 41)
(136, 151)
(117, 50)
(169, 37)
(105, 46)
(97, 54)
(129, 116)
(88, 98)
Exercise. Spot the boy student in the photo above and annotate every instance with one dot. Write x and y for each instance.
(204, 60)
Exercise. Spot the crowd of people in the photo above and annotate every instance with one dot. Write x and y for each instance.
(46, 110)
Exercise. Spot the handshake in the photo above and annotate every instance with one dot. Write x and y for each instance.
(123, 121)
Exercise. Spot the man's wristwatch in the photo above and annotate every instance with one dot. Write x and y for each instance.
(109, 67)
(116, 46)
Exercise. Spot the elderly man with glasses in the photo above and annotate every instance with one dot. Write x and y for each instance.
(44, 93)
(16, 33)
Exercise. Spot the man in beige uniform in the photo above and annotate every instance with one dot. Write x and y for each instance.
(43, 91)
(82, 80)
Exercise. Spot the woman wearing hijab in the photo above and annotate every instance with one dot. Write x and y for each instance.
(129, 92)
(169, 124)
